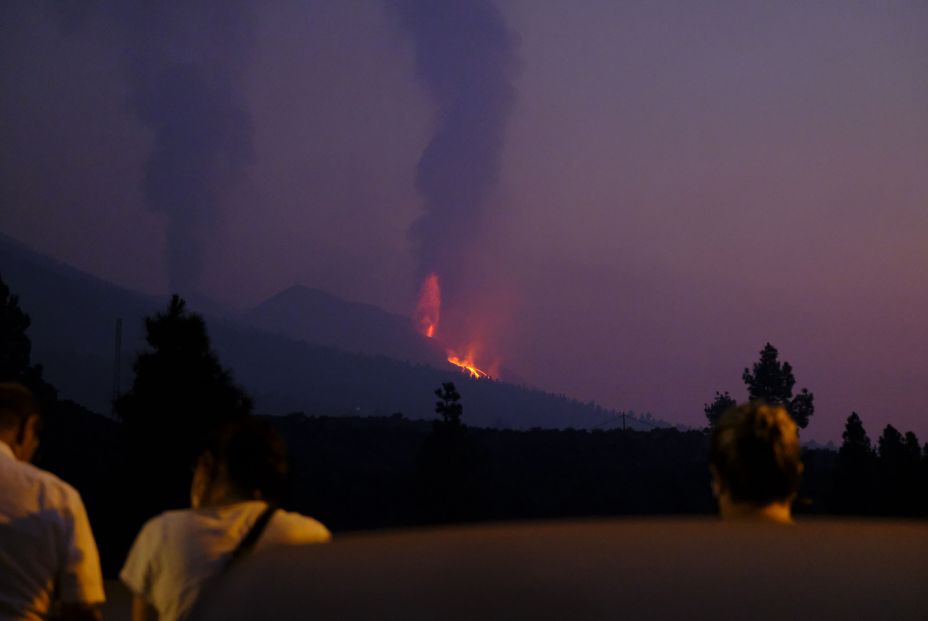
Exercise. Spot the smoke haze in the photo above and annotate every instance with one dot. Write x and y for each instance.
(184, 65)
(465, 57)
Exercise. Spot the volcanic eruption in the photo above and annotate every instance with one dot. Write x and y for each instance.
(465, 58)
(428, 313)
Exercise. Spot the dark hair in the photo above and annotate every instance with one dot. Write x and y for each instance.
(755, 453)
(254, 457)
(16, 404)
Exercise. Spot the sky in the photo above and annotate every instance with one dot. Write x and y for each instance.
(624, 201)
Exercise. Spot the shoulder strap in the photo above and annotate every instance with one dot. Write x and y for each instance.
(241, 550)
(251, 537)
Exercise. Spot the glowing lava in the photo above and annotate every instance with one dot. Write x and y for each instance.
(428, 312)
(428, 308)
(467, 364)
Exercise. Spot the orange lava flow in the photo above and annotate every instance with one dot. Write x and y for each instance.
(428, 312)
(428, 308)
(468, 365)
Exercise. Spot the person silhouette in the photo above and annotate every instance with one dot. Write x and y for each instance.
(755, 463)
(49, 562)
(237, 482)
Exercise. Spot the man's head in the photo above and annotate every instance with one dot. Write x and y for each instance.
(755, 461)
(244, 459)
(20, 420)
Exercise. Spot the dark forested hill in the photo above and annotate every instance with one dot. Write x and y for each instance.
(73, 319)
(74, 314)
(318, 317)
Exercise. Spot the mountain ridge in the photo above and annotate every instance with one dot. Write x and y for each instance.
(73, 333)
(319, 317)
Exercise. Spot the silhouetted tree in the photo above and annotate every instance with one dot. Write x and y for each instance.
(898, 473)
(802, 407)
(856, 442)
(892, 448)
(448, 463)
(913, 483)
(16, 349)
(179, 394)
(722, 403)
(855, 470)
(923, 481)
(15, 346)
(449, 405)
(772, 382)
(913, 452)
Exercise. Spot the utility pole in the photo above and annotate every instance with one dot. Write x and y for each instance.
(623, 421)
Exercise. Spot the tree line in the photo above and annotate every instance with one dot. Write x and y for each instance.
(890, 478)
(376, 472)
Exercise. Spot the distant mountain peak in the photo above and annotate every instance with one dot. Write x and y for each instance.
(318, 317)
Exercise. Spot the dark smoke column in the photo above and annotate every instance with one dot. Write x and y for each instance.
(184, 65)
(466, 58)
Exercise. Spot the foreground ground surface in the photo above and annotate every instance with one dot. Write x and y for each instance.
(594, 570)
(118, 605)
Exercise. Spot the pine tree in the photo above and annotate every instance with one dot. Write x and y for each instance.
(911, 481)
(892, 471)
(911, 448)
(16, 349)
(722, 403)
(449, 405)
(448, 475)
(179, 394)
(772, 382)
(892, 448)
(855, 470)
(856, 442)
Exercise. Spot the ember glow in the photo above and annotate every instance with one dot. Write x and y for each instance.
(467, 364)
(428, 312)
(428, 308)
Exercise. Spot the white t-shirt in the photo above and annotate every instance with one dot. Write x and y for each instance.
(177, 552)
(47, 550)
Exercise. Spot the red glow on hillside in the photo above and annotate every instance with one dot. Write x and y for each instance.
(428, 313)
(467, 364)
(428, 308)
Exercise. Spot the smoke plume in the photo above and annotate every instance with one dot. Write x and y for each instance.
(465, 57)
(184, 64)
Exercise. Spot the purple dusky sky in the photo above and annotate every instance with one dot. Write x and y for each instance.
(680, 183)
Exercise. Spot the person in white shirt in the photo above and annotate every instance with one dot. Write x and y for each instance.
(48, 557)
(236, 481)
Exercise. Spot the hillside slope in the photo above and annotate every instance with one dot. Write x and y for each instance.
(74, 314)
(318, 317)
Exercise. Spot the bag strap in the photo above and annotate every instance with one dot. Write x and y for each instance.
(251, 537)
(241, 551)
